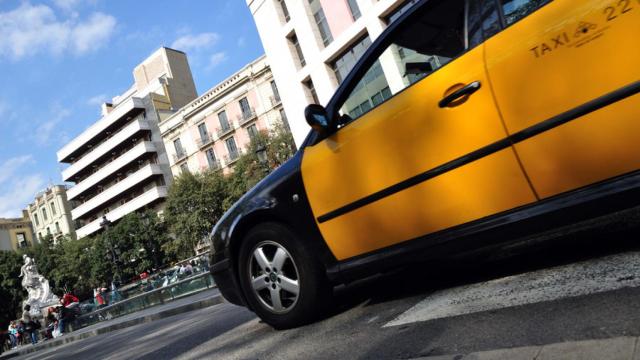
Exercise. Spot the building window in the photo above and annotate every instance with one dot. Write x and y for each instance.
(399, 11)
(184, 168)
(204, 134)
(35, 217)
(253, 131)
(53, 209)
(44, 213)
(293, 39)
(348, 59)
(224, 122)
(274, 89)
(211, 159)
(355, 10)
(285, 11)
(515, 10)
(232, 148)
(57, 228)
(321, 22)
(311, 91)
(177, 144)
(283, 116)
(247, 113)
(22, 240)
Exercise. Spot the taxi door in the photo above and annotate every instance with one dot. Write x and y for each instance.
(566, 78)
(414, 160)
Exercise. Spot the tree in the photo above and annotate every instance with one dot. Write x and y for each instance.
(11, 292)
(194, 204)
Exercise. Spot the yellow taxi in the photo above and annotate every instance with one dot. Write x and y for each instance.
(466, 124)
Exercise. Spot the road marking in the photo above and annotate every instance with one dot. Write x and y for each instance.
(583, 278)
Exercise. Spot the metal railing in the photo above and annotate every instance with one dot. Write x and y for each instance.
(186, 287)
(247, 116)
(224, 131)
(179, 156)
(204, 140)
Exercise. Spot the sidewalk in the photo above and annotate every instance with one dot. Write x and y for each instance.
(621, 348)
(198, 301)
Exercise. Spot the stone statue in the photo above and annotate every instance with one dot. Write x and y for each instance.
(37, 286)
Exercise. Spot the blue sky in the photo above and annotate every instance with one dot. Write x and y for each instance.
(59, 59)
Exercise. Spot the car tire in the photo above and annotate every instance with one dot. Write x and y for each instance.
(273, 266)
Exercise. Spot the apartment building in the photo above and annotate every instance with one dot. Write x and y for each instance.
(119, 164)
(50, 214)
(212, 131)
(313, 44)
(16, 233)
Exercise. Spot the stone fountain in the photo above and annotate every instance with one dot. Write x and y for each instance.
(40, 295)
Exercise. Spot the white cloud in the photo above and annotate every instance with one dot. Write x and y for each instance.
(216, 59)
(47, 130)
(241, 42)
(35, 29)
(98, 100)
(195, 42)
(67, 4)
(16, 189)
(11, 166)
(19, 194)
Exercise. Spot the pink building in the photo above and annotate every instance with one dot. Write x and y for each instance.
(313, 44)
(212, 131)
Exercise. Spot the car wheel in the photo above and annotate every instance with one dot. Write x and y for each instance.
(283, 282)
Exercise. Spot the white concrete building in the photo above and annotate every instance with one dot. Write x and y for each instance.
(312, 44)
(212, 131)
(50, 214)
(119, 164)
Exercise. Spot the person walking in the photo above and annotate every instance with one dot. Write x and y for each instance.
(13, 334)
(30, 326)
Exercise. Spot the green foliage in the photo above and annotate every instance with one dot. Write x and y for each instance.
(11, 293)
(194, 204)
(197, 201)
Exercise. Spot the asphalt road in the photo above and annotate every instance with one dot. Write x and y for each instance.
(584, 286)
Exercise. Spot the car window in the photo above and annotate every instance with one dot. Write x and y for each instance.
(515, 10)
(427, 41)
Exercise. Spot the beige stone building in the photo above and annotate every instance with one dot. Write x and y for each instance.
(16, 233)
(212, 131)
(119, 164)
(50, 214)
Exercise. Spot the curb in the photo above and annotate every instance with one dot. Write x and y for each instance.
(217, 299)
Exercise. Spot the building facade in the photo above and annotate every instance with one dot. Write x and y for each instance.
(50, 214)
(119, 164)
(212, 131)
(313, 44)
(16, 233)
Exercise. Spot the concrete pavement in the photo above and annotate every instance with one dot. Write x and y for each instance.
(620, 348)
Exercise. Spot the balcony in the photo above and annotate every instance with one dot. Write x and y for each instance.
(122, 161)
(121, 187)
(143, 200)
(232, 157)
(247, 116)
(204, 140)
(275, 100)
(179, 156)
(225, 131)
(118, 138)
(216, 165)
(129, 108)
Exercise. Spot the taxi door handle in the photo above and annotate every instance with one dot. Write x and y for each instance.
(467, 90)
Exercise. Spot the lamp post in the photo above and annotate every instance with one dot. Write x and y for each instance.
(261, 153)
(104, 224)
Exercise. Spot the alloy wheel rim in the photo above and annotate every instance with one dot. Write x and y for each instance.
(274, 277)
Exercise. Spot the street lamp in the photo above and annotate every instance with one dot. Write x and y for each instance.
(104, 224)
(261, 153)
